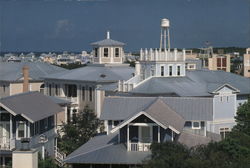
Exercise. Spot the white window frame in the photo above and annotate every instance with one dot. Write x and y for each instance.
(25, 129)
(223, 129)
(196, 127)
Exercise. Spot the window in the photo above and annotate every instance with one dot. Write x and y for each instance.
(196, 125)
(83, 93)
(46, 124)
(90, 94)
(188, 124)
(50, 91)
(221, 99)
(117, 52)
(37, 127)
(178, 70)
(56, 90)
(162, 70)
(106, 52)
(96, 52)
(4, 88)
(170, 70)
(20, 129)
(224, 132)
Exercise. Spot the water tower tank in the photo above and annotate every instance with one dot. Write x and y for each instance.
(165, 23)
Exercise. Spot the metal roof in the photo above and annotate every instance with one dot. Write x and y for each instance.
(12, 71)
(96, 74)
(103, 149)
(190, 108)
(33, 106)
(191, 140)
(108, 42)
(165, 115)
(195, 83)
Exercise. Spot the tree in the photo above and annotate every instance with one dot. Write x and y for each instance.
(83, 126)
(243, 118)
(232, 152)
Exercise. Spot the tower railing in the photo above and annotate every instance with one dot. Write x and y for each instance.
(165, 55)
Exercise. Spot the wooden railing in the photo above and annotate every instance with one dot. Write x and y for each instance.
(139, 146)
(59, 156)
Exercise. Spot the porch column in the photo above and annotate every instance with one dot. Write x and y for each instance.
(172, 135)
(128, 145)
(11, 132)
(159, 134)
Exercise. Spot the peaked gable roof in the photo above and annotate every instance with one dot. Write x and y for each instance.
(190, 108)
(33, 106)
(161, 114)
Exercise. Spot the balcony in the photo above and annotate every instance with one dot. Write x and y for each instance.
(139, 146)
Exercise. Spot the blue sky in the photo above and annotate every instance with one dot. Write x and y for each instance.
(71, 25)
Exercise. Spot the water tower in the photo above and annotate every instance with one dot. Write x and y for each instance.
(164, 44)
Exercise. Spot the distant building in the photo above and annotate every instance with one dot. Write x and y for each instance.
(164, 101)
(12, 76)
(247, 63)
(219, 62)
(108, 51)
(88, 85)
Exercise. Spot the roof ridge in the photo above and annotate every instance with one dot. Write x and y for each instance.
(18, 94)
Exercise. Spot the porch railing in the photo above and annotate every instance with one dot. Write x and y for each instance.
(139, 146)
(6, 143)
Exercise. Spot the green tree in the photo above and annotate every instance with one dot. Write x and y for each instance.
(232, 152)
(83, 126)
(48, 162)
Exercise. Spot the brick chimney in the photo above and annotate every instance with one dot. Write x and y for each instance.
(25, 78)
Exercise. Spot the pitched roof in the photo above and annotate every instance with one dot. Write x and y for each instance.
(190, 108)
(161, 114)
(191, 140)
(96, 73)
(165, 115)
(12, 71)
(195, 83)
(103, 149)
(108, 42)
(33, 106)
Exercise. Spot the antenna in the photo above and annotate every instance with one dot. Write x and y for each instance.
(164, 44)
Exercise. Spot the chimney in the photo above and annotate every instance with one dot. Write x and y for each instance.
(25, 78)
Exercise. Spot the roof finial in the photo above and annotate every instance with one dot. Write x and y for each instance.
(108, 35)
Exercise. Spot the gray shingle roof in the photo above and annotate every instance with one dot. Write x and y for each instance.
(96, 74)
(120, 108)
(12, 71)
(195, 83)
(108, 42)
(33, 106)
(191, 140)
(103, 149)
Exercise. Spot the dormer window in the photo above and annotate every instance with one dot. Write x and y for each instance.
(106, 52)
(117, 52)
